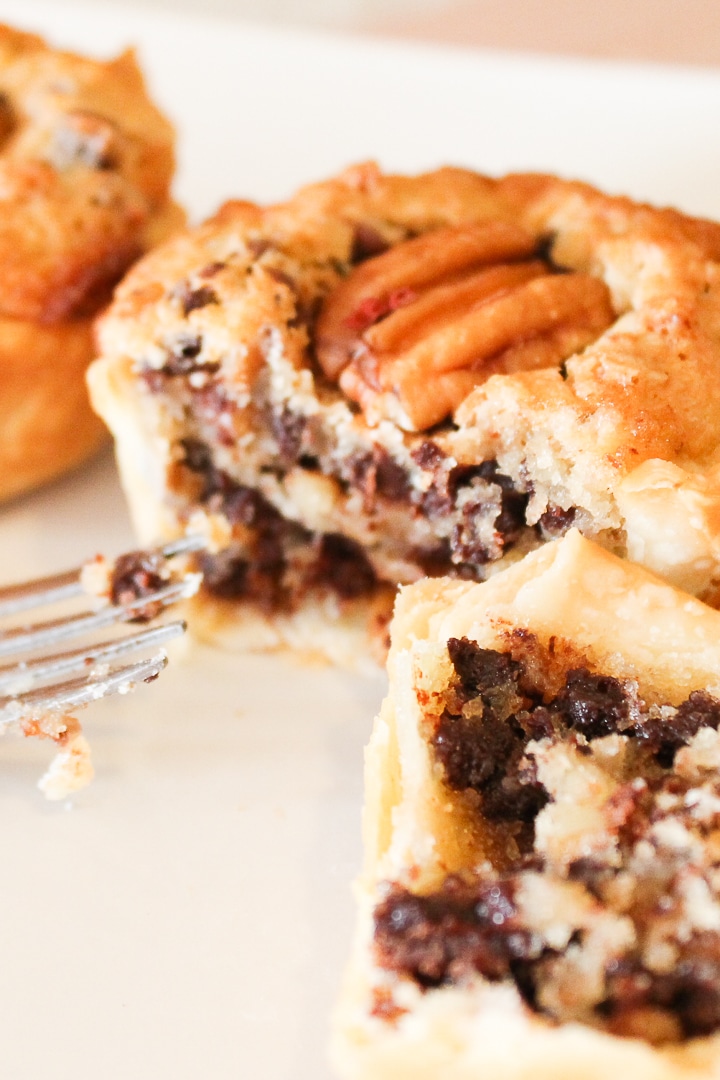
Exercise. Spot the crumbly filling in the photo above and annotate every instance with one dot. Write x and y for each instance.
(413, 507)
(137, 574)
(273, 561)
(607, 911)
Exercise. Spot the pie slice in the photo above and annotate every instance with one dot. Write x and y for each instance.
(541, 893)
(390, 377)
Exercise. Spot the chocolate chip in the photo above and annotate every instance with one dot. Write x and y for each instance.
(482, 670)
(428, 455)
(556, 522)
(667, 735)
(343, 566)
(462, 929)
(288, 428)
(135, 575)
(194, 299)
(594, 705)
(366, 242)
(211, 270)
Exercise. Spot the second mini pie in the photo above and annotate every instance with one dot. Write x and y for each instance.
(86, 163)
(388, 377)
(541, 891)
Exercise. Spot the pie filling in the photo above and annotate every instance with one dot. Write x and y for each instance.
(403, 506)
(465, 518)
(604, 907)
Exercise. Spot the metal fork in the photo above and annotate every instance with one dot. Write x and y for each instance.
(59, 681)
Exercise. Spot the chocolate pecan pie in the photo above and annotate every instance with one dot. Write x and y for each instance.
(541, 894)
(86, 162)
(390, 377)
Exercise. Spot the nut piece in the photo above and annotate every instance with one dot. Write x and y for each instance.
(411, 332)
(391, 280)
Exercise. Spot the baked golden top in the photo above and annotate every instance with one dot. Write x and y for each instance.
(85, 164)
(645, 387)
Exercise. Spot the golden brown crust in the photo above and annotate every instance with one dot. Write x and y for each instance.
(85, 167)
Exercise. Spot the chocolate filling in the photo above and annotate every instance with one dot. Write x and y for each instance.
(137, 574)
(267, 569)
(463, 928)
(662, 981)
(468, 494)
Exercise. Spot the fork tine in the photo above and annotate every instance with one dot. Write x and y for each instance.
(47, 590)
(25, 639)
(66, 585)
(38, 692)
(78, 692)
(21, 678)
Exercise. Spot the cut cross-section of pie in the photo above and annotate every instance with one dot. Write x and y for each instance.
(389, 377)
(541, 894)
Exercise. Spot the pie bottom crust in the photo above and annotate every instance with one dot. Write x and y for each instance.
(627, 624)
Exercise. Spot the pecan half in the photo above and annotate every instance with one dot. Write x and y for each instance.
(411, 332)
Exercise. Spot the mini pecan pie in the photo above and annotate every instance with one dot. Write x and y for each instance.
(86, 162)
(541, 894)
(390, 377)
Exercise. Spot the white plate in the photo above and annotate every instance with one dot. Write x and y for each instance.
(189, 914)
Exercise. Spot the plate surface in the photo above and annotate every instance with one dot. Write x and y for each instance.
(189, 914)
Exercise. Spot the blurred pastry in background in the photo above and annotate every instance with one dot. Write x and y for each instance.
(540, 896)
(86, 162)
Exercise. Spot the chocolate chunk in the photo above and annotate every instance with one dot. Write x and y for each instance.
(343, 566)
(181, 358)
(194, 299)
(482, 748)
(474, 751)
(377, 474)
(556, 522)
(257, 246)
(461, 930)
(224, 575)
(513, 504)
(8, 117)
(468, 543)
(428, 455)
(668, 734)
(259, 573)
(135, 575)
(690, 992)
(197, 455)
(481, 670)
(366, 242)
(282, 278)
(435, 561)
(594, 705)
(288, 428)
(211, 270)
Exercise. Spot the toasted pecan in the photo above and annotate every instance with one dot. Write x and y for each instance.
(411, 332)
(386, 282)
